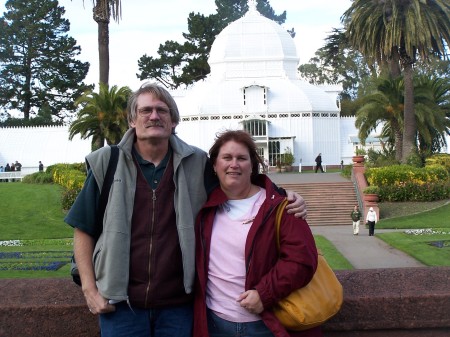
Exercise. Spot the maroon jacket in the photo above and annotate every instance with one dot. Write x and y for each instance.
(274, 278)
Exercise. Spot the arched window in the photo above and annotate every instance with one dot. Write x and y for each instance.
(274, 152)
(256, 127)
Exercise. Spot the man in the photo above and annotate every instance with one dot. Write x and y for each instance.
(18, 166)
(356, 218)
(139, 273)
(319, 162)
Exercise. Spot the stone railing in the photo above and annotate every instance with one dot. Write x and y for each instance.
(13, 175)
(360, 182)
(405, 302)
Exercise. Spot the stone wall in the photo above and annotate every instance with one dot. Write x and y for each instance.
(405, 302)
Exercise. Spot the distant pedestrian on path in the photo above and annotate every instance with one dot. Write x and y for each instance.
(18, 166)
(356, 218)
(371, 220)
(319, 162)
(41, 166)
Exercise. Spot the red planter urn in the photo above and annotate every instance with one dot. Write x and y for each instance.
(358, 159)
(370, 197)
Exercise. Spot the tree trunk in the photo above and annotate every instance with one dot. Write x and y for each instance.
(394, 63)
(27, 86)
(101, 16)
(103, 51)
(97, 143)
(398, 140)
(409, 117)
(398, 146)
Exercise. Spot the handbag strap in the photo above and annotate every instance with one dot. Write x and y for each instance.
(278, 217)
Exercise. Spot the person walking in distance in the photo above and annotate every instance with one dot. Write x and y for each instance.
(319, 163)
(371, 220)
(356, 218)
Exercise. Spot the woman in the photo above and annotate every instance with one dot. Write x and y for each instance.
(371, 220)
(239, 274)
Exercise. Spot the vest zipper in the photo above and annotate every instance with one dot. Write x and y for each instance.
(150, 248)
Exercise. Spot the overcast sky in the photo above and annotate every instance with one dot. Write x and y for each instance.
(147, 24)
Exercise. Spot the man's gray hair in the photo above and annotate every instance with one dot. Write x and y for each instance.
(158, 92)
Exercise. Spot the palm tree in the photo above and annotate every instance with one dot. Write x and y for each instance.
(385, 105)
(394, 32)
(432, 105)
(102, 116)
(102, 12)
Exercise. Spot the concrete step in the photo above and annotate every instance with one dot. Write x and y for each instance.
(328, 203)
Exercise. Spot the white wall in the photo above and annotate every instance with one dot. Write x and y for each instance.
(51, 145)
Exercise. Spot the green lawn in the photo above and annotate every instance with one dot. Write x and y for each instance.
(438, 217)
(334, 258)
(32, 213)
(432, 246)
(430, 249)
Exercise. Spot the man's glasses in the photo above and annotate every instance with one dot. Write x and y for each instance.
(147, 111)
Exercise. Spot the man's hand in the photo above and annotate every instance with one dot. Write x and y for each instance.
(96, 303)
(297, 205)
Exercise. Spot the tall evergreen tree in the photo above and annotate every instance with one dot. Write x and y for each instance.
(337, 62)
(38, 68)
(183, 64)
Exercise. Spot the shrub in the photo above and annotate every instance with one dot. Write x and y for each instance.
(414, 192)
(371, 190)
(381, 158)
(407, 183)
(68, 197)
(401, 174)
(38, 178)
(439, 159)
(414, 159)
(347, 171)
(287, 157)
(71, 177)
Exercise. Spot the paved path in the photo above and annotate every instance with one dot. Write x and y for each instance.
(362, 251)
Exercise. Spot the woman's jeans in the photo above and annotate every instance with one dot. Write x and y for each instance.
(167, 322)
(371, 227)
(218, 327)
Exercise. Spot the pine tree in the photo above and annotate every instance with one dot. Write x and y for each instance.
(183, 64)
(38, 67)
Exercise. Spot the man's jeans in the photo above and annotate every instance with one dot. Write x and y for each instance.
(356, 227)
(133, 322)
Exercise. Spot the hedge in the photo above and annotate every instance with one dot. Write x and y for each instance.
(408, 183)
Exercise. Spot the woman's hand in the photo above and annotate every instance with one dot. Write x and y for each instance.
(251, 301)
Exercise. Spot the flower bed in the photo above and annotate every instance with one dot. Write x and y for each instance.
(46, 260)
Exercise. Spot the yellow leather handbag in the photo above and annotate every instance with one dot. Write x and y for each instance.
(315, 303)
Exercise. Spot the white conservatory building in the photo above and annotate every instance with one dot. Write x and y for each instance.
(254, 85)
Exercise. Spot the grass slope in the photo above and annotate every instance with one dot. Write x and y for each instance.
(32, 211)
